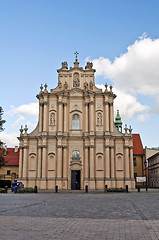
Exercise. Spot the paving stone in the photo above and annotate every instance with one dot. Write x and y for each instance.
(79, 216)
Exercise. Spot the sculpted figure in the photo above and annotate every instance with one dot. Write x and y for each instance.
(76, 81)
(65, 85)
(60, 84)
(86, 86)
(91, 85)
(64, 65)
(52, 119)
(99, 119)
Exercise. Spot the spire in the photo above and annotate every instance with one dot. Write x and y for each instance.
(118, 122)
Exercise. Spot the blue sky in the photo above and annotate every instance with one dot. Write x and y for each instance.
(120, 37)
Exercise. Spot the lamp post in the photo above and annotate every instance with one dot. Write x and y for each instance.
(145, 163)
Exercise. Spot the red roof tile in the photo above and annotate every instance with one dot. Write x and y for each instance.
(137, 145)
(12, 158)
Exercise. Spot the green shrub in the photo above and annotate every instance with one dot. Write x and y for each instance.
(2, 190)
(25, 190)
(116, 190)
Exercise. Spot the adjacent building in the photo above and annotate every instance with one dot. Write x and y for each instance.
(138, 156)
(11, 170)
(76, 141)
(153, 170)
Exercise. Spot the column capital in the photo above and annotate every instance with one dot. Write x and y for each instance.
(45, 103)
(41, 104)
(106, 146)
(91, 146)
(86, 146)
(106, 103)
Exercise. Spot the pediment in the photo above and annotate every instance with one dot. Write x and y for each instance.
(76, 92)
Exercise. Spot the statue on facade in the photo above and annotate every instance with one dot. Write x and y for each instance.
(89, 65)
(86, 86)
(99, 119)
(76, 81)
(91, 85)
(59, 84)
(52, 119)
(65, 85)
(64, 65)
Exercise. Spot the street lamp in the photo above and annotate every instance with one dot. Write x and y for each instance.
(145, 163)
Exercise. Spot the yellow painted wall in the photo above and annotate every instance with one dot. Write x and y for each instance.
(3, 172)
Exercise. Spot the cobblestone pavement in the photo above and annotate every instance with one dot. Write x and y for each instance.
(79, 216)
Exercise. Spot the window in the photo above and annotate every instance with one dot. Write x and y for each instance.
(75, 154)
(75, 121)
(135, 161)
(8, 172)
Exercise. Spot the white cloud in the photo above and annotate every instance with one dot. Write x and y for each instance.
(134, 72)
(9, 138)
(127, 105)
(18, 121)
(30, 109)
(137, 69)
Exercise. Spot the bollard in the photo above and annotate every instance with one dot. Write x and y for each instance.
(35, 189)
(6, 189)
(86, 188)
(126, 188)
(15, 189)
(138, 188)
(146, 188)
(106, 188)
(56, 189)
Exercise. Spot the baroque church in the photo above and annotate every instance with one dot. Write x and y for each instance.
(76, 141)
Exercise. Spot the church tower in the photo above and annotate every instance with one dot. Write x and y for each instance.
(76, 141)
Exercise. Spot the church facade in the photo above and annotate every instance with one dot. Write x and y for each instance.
(76, 141)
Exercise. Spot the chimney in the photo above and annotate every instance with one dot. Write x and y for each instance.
(16, 149)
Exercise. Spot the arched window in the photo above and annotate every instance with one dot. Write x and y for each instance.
(75, 154)
(75, 121)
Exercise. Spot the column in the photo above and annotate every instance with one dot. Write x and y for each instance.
(107, 162)
(59, 162)
(65, 117)
(91, 114)
(39, 162)
(106, 116)
(44, 162)
(131, 162)
(60, 116)
(20, 161)
(86, 163)
(91, 162)
(64, 162)
(40, 117)
(127, 175)
(45, 117)
(25, 162)
(111, 117)
(112, 162)
(86, 117)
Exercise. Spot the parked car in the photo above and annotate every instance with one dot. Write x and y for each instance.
(18, 184)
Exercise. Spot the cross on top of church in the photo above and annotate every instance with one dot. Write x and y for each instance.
(76, 59)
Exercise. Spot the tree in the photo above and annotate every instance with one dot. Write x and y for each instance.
(1, 121)
(2, 149)
(2, 154)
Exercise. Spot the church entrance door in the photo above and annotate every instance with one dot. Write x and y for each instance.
(75, 179)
